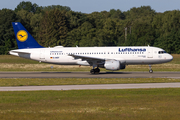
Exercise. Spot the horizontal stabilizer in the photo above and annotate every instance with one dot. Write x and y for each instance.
(16, 51)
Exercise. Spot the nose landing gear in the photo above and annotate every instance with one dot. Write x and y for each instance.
(150, 69)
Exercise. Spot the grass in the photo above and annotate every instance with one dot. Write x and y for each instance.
(64, 68)
(13, 63)
(10, 59)
(79, 81)
(132, 104)
(176, 59)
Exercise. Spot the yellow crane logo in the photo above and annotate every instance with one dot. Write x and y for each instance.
(22, 35)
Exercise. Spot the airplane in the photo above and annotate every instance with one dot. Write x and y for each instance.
(110, 58)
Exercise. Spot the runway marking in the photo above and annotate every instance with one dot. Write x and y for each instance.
(92, 87)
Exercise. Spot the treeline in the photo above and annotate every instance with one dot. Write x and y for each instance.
(59, 25)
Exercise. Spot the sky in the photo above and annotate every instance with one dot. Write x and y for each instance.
(89, 6)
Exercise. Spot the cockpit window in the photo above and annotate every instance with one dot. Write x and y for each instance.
(162, 52)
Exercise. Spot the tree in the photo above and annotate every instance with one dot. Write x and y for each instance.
(87, 33)
(142, 33)
(28, 6)
(167, 26)
(143, 11)
(26, 19)
(117, 14)
(59, 7)
(75, 19)
(53, 29)
(59, 25)
(7, 36)
(35, 24)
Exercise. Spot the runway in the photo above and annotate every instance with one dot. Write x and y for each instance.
(88, 75)
(90, 87)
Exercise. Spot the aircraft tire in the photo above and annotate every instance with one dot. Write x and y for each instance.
(92, 71)
(95, 71)
(150, 71)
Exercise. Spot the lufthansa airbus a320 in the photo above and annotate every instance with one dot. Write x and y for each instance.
(110, 58)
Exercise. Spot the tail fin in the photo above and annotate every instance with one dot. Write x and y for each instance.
(23, 37)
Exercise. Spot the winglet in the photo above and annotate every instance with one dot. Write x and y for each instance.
(23, 37)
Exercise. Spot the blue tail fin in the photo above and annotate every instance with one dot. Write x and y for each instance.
(23, 37)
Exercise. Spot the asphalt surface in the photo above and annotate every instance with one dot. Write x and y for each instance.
(85, 87)
(88, 75)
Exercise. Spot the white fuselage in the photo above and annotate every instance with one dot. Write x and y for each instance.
(126, 55)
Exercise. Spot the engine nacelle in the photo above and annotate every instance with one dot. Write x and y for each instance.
(113, 65)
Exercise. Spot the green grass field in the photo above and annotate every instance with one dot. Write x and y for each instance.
(79, 81)
(134, 104)
(13, 63)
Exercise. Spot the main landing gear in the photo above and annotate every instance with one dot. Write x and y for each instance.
(150, 69)
(95, 71)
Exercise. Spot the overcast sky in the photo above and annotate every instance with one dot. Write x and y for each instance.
(89, 6)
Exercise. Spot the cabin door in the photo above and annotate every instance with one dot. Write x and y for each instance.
(150, 52)
(42, 55)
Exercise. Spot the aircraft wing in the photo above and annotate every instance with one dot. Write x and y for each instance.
(94, 59)
(87, 58)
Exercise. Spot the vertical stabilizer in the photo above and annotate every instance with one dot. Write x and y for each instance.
(23, 37)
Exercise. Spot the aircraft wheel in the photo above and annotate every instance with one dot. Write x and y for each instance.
(92, 71)
(97, 70)
(150, 71)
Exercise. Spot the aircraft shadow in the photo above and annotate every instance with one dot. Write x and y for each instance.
(101, 73)
(115, 73)
(55, 72)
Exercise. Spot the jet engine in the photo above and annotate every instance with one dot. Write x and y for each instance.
(114, 65)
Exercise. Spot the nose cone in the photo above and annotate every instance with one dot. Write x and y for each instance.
(170, 57)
